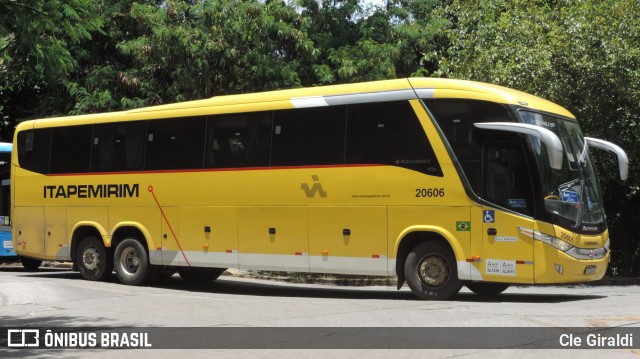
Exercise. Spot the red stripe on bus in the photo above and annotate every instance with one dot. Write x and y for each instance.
(215, 170)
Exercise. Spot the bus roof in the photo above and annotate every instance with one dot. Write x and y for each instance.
(387, 90)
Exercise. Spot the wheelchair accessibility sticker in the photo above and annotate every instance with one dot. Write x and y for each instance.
(489, 216)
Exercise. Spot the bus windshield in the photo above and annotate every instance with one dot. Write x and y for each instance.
(572, 194)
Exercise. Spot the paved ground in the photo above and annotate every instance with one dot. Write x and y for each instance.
(60, 298)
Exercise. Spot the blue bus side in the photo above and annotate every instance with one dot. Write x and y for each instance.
(6, 246)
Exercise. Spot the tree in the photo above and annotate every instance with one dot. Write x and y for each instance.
(356, 44)
(34, 54)
(168, 51)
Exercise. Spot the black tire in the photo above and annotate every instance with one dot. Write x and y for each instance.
(432, 272)
(131, 262)
(487, 289)
(30, 264)
(200, 275)
(94, 263)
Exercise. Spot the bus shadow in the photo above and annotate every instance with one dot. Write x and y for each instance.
(19, 269)
(238, 286)
(294, 290)
(264, 288)
(526, 298)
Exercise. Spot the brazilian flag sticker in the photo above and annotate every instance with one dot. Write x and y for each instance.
(463, 226)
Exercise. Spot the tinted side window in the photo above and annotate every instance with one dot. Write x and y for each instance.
(71, 149)
(176, 143)
(311, 136)
(118, 146)
(34, 149)
(456, 119)
(506, 177)
(389, 133)
(242, 140)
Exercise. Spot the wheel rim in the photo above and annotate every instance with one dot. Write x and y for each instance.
(91, 258)
(130, 261)
(433, 271)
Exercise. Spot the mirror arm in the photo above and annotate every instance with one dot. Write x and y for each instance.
(623, 160)
(550, 139)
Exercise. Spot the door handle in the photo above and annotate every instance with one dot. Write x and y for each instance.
(492, 231)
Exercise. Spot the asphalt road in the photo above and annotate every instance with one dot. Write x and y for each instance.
(59, 298)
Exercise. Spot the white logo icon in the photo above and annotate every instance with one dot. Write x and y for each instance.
(23, 338)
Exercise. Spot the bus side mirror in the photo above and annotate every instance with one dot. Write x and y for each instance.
(550, 139)
(623, 160)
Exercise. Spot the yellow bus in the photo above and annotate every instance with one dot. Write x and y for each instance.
(439, 182)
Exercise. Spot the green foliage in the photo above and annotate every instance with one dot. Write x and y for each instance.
(353, 45)
(181, 50)
(34, 35)
(35, 40)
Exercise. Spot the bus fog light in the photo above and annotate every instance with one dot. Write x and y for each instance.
(590, 270)
(559, 268)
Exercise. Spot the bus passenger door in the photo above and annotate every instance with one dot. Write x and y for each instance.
(507, 254)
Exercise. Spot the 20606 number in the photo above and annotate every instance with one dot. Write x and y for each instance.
(429, 192)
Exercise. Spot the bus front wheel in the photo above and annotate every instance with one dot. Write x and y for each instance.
(93, 261)
(132, 263)
(431, 271)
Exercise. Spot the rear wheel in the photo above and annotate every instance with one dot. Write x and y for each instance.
(200, 275)
(132, 263)
(431, 271)
(94, 263)
(486, 289)
(30, 264)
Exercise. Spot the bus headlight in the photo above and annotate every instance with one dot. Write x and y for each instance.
(588, 253)
(553, 241)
